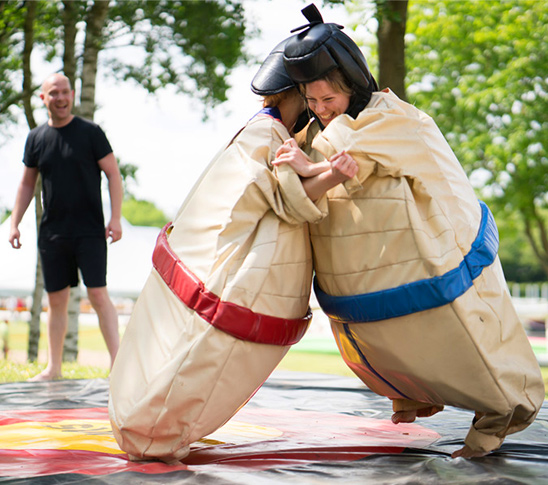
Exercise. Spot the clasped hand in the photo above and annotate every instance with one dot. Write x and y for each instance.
(341, 164)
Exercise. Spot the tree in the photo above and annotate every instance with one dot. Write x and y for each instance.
(517, 258)
(481, 70)
(392, 19)
(143, 213)
(389, 26)
(209, 34)
(36, 307)
(11, 22)
(191, 45)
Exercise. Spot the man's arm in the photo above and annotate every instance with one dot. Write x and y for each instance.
(25, 193)
(109, 165)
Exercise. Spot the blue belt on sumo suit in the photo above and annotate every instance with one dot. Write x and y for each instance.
(418, 295)
(238, 321)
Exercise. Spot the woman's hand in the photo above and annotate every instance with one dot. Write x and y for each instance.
(291, 154)
(343, 166)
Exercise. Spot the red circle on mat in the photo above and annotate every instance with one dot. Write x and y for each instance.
(257, 439)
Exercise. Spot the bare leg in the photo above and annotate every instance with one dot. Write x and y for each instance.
(466, 451)
(57, 329)
(108, 319)
(404, 416)
(406, 411)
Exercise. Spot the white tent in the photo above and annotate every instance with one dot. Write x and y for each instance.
(129, 260)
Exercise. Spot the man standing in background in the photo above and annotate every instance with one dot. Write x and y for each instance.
(70, 154)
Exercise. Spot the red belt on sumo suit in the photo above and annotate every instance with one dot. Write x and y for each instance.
(238, 321)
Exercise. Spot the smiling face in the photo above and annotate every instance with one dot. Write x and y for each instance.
(325, 101)
(58, 97)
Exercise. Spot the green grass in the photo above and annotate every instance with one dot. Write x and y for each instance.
(15, 372)
(90, 338)
(315, 362)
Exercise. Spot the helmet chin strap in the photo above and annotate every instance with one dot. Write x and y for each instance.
(303, 119)
(357, 103)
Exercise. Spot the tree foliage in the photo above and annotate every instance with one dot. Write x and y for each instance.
(191, 45)
(210, 34)
(10, 22)
(143, 213)
(517, 258)
(13, 16)
(481, 70)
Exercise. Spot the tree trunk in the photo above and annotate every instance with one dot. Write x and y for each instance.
(531, 219)
(92, 45)
(70, 347)
(36, 308)
(69, 30)
(27, 73)
(391, 43)
(38, 293)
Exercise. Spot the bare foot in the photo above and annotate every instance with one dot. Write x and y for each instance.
(467, 452)
(404, 416)
(45, 376)
(406, 410)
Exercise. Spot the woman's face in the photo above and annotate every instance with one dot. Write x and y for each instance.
(326, 103)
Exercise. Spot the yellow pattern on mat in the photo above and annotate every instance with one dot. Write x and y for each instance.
(96, 435)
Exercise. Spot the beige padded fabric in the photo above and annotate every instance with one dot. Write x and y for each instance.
(411, 214)
(243, 232)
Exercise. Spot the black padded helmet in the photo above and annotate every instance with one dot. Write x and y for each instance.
(272, 78)
(321, 48)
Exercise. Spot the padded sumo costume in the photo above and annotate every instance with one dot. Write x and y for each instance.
(406, 260)
(227, 297)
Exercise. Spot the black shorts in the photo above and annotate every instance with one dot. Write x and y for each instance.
(63, 256)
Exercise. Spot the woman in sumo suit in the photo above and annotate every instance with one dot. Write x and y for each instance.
(406, 263)
(229, 290)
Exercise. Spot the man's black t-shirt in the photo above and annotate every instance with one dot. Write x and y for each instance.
(71, 178)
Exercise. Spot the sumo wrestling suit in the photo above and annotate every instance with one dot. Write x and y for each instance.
(406, 264)
(227, 296)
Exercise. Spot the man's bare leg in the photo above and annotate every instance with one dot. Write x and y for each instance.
(57, 329)
(108, 319)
